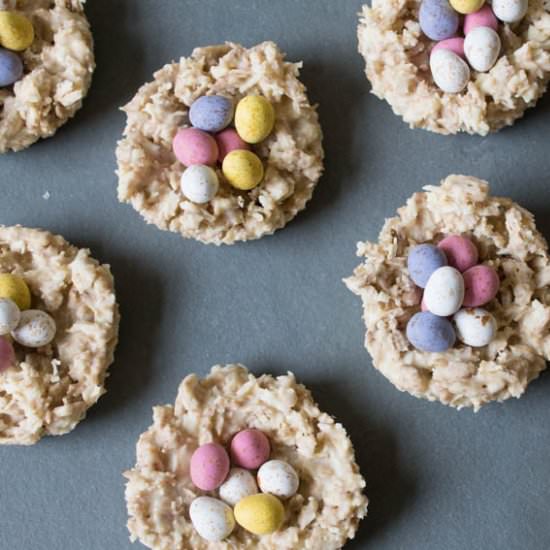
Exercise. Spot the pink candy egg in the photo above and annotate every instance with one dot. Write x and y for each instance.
(192, 146)
(455, 45)
(485, 17)
(250, 449)
(209, 466)
(7, 354)
(229, 140)
(461, 252)
(481, 284)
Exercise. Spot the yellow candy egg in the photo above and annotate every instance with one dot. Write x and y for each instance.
(254, 118)
(260, 514)
(16, 289)
(16, 31)
(467, 6)
(243, 169)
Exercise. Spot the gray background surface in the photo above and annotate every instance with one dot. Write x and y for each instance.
(437, 478)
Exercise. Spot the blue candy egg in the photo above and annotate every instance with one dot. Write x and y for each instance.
(11, 67)
(438, 20)
(423, 260)
(211, 113)
(428, 332)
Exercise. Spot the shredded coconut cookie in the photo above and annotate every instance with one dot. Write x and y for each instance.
(58, 72)
(321, 516)
(396, 54)
(49, 389)
(507, 239)
(149, 174)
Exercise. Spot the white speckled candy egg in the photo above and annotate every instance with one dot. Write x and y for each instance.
(9, 315)
(212, 519)
(444, 292)
(240, 483)
(510, 11)
(450, 72)
(475, 327)
(199, 183)
(482, 47)
(278, 478)
(35, 329)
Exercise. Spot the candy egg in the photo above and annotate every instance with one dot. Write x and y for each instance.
(11, 68)
(467, 6)
(475, 327)
(482, 47)
(10, 315)
(228, 141)
(199, 183)
(260, 514)
(212, 519)
(211, 113)
(422, 261)
(243, 170)
(16, 289)
(7, 354)
(254, 118)
(250, 449)
(239, 484)
(35, 329)
(485, 17)
(444, 292)
(450, 73)
(16, 31)
(481, 284)
(438, 20)
(430, 333)
(192, 146)
(461, 252)
(209, 466)
(278, 478)
(455, 45)
(510, 11)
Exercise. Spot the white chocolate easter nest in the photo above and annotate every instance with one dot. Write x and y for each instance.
(50, 389)
(149, 174)
(322, 515)
(58, 73)
(396, 55)
(508, 240)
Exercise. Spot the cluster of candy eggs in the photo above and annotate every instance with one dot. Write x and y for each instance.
(16, 35)
(253, 502)
(453, 55)
(455, 287)
(32, 328)
(210, 141)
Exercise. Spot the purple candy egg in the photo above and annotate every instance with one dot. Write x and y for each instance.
(11, 67)
(438, 20)
(211, 113)
(423, 260)
(430, 333)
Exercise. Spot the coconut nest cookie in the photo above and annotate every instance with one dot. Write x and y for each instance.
(58, 69)
(149, 173)
(48, 390)
(323, 514)
(397, 64)
(507, 240)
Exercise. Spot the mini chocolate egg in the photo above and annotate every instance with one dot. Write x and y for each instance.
(16, 289)
(7, 354)
(466, 6)
(254, 118)
(510, 11)
(35, 329)
(278, 478)
(430, 333)
(209, 466)
(199, 183)
(461, 252)
(10, 315)
(481, 285)
(212, 519)
(451, 73)
(444, 292)
(422, 261)
(438, 20)
(192, 146)
(228, 141)
(243, 170)
(240, 483)
(485, 17)
(11, 68)
(211, 113)
(250, 449)
(475, 327)
(482, 47)
(455, 45)
(260, 514)
(16, 31)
